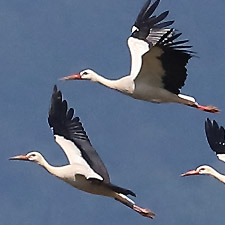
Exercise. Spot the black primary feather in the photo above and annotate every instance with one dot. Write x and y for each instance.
(174, 60)
(145, 22)
(175, 54)
(215, 136)
(64, 124)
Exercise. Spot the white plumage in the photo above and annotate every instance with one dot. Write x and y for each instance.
(85, 170)
(216, 138)
(158, 63)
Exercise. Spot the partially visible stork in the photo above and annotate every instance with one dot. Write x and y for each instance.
(216, 138)
(85, 170)
(158, 63)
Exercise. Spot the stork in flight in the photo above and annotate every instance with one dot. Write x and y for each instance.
(85, 170)
(158, 63)
(216, 139)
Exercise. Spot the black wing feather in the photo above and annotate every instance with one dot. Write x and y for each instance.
(164, 24)
(176, 54)
(145, 21)
(63, 124)
(150, 9)
(215, 136)
(177, 43)
(174, 61)
(161, 17)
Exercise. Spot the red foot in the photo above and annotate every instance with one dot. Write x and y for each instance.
(144, 212)
(208, 108)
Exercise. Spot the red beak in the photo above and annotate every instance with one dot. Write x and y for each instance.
(189, 173)
(19, 157)
(72, 77)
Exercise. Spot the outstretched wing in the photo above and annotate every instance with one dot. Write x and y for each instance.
(72, 138)
(216, 138)
(156, 58)
(150, 28)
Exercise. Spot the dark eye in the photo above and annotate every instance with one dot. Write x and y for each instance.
(84, 73)
(32, 155)
(202, 169)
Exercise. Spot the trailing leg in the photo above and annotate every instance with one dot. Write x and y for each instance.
(128, 202)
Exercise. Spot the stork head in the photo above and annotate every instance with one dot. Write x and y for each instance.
(31, 156)
(83, 75)
(207, 170)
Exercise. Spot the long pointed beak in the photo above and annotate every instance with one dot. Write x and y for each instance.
(189, 173)
(19, 157)
(72, 77)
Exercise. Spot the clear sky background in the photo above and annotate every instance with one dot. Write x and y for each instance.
(145, 146)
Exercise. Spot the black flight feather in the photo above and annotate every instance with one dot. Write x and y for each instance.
(174, 60)
(145, 21)
(63, 124)
(215, 136)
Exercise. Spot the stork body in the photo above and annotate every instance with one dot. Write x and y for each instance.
(216, 138)
(158, 63)
(85, 170)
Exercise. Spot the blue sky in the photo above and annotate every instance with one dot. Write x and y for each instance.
(144, 146)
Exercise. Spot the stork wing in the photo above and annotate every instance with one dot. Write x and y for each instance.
(216, 138)
(71, 137)
(148, 27)
(155, 58)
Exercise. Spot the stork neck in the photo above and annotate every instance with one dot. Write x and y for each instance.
(51, 169)
(124, 84)
(218, 176)
(106, 82)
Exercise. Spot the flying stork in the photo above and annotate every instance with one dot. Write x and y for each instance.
(158, 63)
(85, 170)
(216, 138)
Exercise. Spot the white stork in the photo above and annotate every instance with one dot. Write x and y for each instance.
(158, 63)
(85, 170)
(216, 138)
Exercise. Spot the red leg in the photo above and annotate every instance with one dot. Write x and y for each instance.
(142, 211)
(208, 108)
